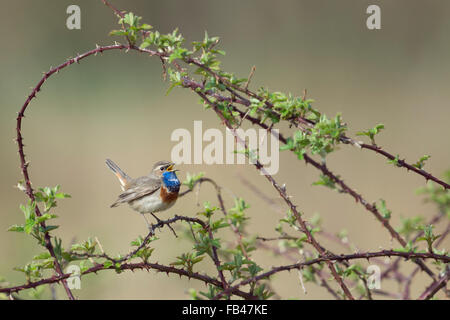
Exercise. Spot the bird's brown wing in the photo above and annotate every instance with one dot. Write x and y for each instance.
(138, 188)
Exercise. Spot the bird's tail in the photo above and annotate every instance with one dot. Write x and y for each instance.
(122, 176)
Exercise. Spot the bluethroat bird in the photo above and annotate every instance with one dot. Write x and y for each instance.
(155, 192)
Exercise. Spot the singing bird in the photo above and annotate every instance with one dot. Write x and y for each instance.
(155, 192)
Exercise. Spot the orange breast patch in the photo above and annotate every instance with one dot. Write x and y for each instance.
(167, 196)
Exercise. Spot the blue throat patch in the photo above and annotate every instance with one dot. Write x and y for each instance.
(171, 181)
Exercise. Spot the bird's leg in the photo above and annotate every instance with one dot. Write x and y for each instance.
(148, 224)
(159, 221)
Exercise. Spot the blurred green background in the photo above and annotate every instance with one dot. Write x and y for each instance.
(115, 106)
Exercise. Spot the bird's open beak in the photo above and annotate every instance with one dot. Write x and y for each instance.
(170, 168)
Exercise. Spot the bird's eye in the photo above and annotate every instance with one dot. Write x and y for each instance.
(162, 168)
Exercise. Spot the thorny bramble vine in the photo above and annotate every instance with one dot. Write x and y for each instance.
(238, 274)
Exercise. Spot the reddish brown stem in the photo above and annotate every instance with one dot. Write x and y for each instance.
(24, 163)
(330, 258)
(283, 194)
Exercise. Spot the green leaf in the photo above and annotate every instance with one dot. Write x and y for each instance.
(371, 132)
(62, 195)
(395, 161)
(28, 210)
(145, 26)
(130, 19)
(29, 225)
(409, 225)
(209, 210)
(325, 181)
(173, 85)
(191, 179)
(118, 33)
(43, 255)
(138, 242)
(16, 228)
(421, 163)
(48, 228)
(381, 207)
(177, 53)
(45, 217)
